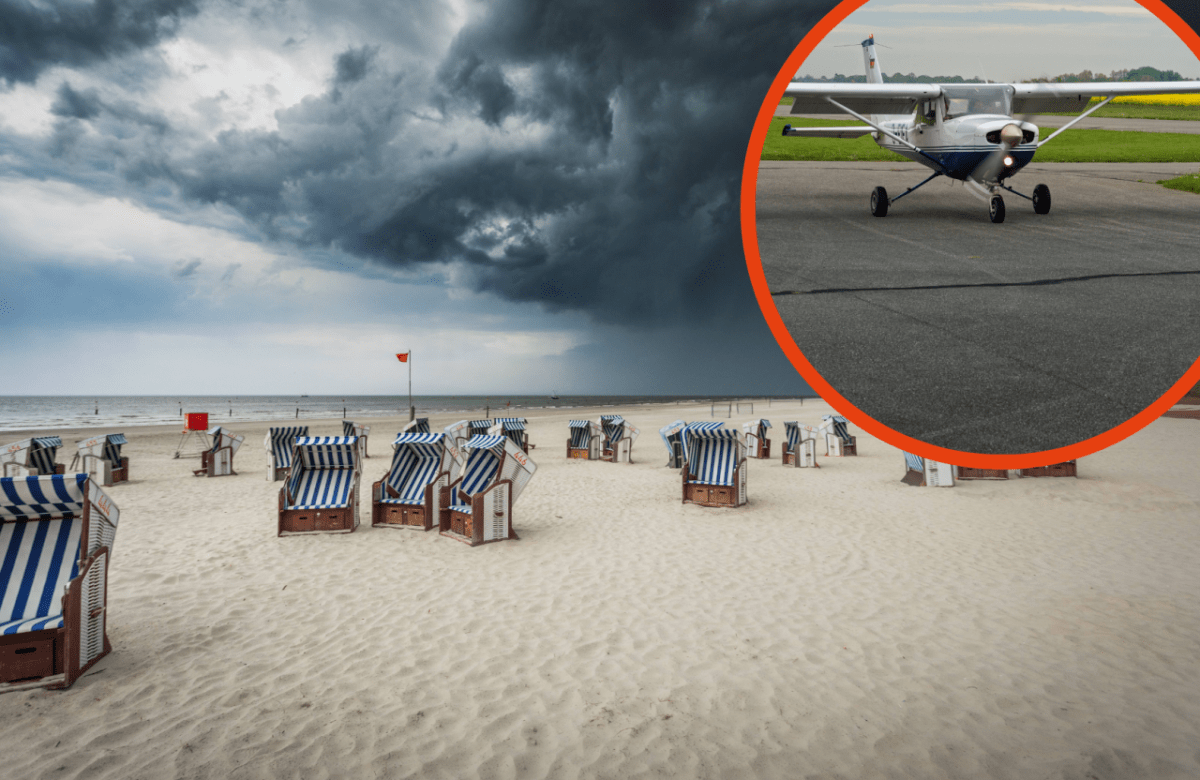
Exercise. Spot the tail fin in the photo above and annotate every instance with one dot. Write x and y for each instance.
(874, 74)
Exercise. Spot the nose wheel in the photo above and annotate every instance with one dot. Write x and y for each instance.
(1041, 199)
(996, 209)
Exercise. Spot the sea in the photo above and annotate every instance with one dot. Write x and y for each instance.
(47, 413)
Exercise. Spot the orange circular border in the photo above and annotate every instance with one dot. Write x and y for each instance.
(817, 382)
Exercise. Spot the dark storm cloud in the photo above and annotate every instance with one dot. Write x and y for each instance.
(351, 65)
(57, 32)
(76, 105)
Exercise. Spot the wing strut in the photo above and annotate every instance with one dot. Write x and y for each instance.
(1099, 105)
(892, 135)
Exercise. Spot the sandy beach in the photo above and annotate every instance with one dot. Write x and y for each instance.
(840, 625)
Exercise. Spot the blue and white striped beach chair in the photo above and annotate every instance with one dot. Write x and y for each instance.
(217, 461)
(672, 436)
(100, 456)
(800, 445)
(31, 457)
(619, 436)
(838, 441)
(321, 493)
(408, 496)
(361, 431)
(757, 443)
(583, 441)
(417, 425)
(56, 537)
(514, 429)
(922, 472)
(278, 443)
(714, 472)
(477, 507)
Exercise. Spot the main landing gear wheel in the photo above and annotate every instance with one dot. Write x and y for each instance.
(1041, 199)
(879, 202)
(996, 210)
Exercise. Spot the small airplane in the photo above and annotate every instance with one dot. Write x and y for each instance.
(963, 131)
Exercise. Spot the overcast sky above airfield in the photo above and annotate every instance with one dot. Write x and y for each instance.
(1003, 41)
(273, 196)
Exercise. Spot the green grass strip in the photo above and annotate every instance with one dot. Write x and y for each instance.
(1189, 182)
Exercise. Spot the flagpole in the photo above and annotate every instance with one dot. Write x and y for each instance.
(412, 410)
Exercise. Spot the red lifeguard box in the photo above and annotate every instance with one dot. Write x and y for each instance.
(195, 435)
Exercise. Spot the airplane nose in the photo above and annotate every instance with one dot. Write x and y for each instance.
(1011, 135)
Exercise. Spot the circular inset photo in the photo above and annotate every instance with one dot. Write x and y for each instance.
(975, 231)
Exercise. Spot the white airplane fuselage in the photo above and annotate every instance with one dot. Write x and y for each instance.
(959, 144)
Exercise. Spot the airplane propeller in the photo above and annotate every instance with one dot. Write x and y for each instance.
(989, 169)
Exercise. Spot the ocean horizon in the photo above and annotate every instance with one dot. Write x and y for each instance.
(46, 413)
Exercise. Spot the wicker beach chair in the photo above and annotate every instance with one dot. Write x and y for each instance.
(476, 508)
(278, 443)
(922, 472)
(800, 445)
(31, 457)
(321, 492)
(714, 472)
(672, 436)
(757, 443)
(100, 456)
(967, 472)
(408, 495)
(218, 460)
(361, 431)
(514, 429)
(1067, 468)
(584, 440)
(56, 538)
(838, 441)
(619, 436)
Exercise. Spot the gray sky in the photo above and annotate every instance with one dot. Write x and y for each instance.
(1003, 41)
(257, 196)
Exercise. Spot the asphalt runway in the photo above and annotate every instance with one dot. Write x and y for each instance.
(1029, 335)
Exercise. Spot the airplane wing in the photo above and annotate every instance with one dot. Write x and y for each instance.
(853, 131)
(1069, 98)
(813, 97)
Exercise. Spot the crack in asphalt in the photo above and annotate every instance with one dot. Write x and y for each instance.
(1031, 283)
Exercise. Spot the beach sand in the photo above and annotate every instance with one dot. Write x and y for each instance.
(840, 625)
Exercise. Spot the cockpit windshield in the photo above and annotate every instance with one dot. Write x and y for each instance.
(963, 99)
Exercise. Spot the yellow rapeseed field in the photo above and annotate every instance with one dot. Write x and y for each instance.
(1161, 100)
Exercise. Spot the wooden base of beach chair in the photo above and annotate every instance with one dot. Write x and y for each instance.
(218, 464)
(966, 472)
(942, 475)
(121, 474)
(710, 495)
(1066, 469)
(764, 449)
(914, 478)
(836, 448)
(308, 521)
(417, 518)
(32, 656)
(60, 468)
(461, 527)
(579, 453)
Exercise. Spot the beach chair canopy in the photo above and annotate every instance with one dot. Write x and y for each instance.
(757, 427)
(672, 433)
(37, 453)
(323, 472)
(582, 432)
(417, 425)
(914, 462)
(280, 441)
(713, 452)
(491, 458)
(478, 427)
(38, 559)
(416, 462)
(792, 434)
(839, 426)
(613, 426)
(107, 447)
(222, 437)
(351, 428)
(692, 428)
(511, 423)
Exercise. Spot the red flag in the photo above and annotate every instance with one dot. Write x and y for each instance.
(402, 357)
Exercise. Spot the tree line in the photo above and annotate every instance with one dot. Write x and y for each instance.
(1146, 73)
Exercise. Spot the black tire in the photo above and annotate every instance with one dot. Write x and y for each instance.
(996, 209)
(879, 202)
(1041, 199)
